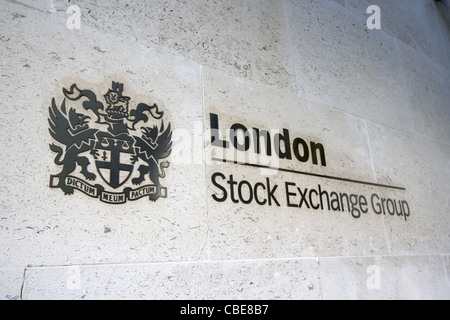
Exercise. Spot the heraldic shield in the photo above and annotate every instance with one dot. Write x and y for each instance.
(112, 149)
(127, 147)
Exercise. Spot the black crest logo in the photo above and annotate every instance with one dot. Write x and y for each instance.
(112, 153)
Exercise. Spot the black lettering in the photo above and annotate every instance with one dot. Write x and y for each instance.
(271, 193)
(321, 200)
(215, 140)
(289, 194)
(232, 183)
(363, 202)
(335, 202)
(303, 198)
(318, 147)
(344, 195)
(300, 157)
(376, 205)
(354, 202)
(234, 137)
(286, 154)
(224, 191)
(257, 134)
(250, 192)
(310, 199)
(241, 139)
(399, 209)
(261, 203)
(382, 205)
(406, 210)
(389, 205)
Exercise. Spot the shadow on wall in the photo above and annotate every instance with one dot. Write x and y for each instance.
(444, 9)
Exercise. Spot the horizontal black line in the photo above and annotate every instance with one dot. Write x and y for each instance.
(308, 174)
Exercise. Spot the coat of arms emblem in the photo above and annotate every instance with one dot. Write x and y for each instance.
(110, 152)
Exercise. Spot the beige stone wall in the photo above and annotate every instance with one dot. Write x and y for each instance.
(377, 100)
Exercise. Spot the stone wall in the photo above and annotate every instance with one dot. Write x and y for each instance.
(376, 100)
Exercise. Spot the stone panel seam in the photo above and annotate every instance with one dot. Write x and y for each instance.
(52, 7)
(31, 268)
(375, 177)
(207, 241)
